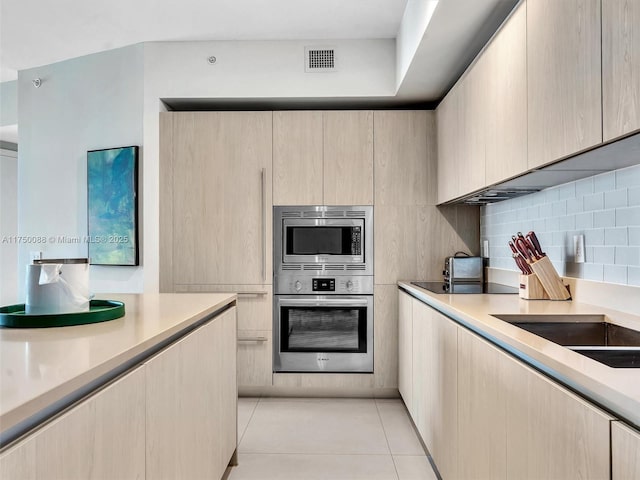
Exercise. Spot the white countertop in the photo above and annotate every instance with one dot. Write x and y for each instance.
(615, 389)
(41, 366)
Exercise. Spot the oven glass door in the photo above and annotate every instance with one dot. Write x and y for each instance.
(323, 329)
(323, 333)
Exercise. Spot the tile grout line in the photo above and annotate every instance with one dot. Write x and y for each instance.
(248, 423)
(386, 439)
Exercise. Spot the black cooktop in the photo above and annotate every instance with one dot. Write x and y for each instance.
(441, 287)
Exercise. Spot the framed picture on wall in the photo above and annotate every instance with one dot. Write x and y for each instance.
(112, 206)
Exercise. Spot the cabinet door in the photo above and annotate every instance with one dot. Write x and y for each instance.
(103, 437)
(297, 158)
(620, 67)
(482, 404)
(220, 172)
(191, 403)
(348, 157)
(447, 115)
(563, 78)
(385, 336)
(506, 126)
(405, 157)
(552, 433)
(472, 124)
(421, 369)
(625, 452)
(405, 349)
(255, 357)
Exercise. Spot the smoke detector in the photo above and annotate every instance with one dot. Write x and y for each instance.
(319, 59)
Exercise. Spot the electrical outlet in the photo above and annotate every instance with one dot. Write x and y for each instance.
(34, 255)
(485, 248)
(578, 248)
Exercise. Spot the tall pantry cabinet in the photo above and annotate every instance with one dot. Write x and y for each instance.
(215, 220)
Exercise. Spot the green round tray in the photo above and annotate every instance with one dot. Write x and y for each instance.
(99, 311)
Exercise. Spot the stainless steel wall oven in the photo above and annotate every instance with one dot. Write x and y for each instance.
(323, 289)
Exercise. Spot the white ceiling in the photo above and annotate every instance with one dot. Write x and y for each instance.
(40, 32)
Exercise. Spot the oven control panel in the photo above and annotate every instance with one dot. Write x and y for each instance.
(323, 285)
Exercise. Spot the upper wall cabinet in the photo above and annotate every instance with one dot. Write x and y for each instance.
(506, 126)
(405, 161)
(215, 202)
(448, 145)
(620, 67)
(323, 158)
(564, 78)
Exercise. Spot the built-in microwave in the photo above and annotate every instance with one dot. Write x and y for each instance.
(323, 239)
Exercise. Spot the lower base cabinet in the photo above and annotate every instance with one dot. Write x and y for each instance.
(485, 415)
(625, 452)
(172, 417)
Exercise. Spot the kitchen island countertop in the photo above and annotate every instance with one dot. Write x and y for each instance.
(617, 390)
(40, 368)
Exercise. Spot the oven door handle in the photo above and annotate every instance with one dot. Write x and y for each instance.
(337, 302)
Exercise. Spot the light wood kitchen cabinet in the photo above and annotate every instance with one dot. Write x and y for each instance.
(348, 157)
(297, 158)
(255, 358)
(103, 437)
(506, 96)
(564, 78)
(215, 205)
(625, 452)
(472, 126)
(323, 158)
(191, 403)
(620, 67)
(552, 433)
(405, 158)
(385, 337)
(482, 426)
(447, 115)
(405, 349)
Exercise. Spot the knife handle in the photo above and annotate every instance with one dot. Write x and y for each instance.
(533, 238)
(525, 250)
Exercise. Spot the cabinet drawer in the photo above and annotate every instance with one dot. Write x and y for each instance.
(254, 358)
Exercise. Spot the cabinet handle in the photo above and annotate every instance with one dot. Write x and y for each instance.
(263, 179)
(257, 292)
(252, 339)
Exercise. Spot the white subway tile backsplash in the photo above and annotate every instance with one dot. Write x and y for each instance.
(604, 182)
(628, 216)
(603, 255)
(615, 274)
(604, 208)
(604, 218)
(584, 187)
(574, 205)
(594, 202)
(584, 221)
(628, 177)
(628, 256)
(616, 236)
(616, 198)
(634, 196)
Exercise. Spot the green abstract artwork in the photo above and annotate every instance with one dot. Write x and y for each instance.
(112, 179)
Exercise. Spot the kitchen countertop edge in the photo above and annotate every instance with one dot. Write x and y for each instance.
(615, 390)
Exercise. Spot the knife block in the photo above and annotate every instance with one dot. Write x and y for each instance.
(531, 288)
(550, 280)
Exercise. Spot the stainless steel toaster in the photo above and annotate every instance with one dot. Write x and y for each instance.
(463, 269)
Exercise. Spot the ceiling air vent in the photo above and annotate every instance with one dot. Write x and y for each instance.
(319, 59)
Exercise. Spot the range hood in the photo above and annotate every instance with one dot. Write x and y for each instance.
(605, 158)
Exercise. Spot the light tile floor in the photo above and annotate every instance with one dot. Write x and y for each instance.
(327, 439)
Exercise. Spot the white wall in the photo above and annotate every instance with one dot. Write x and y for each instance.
(83, 104)
(8, 227)
(8, 103)
(247, 69)
(416, 18)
